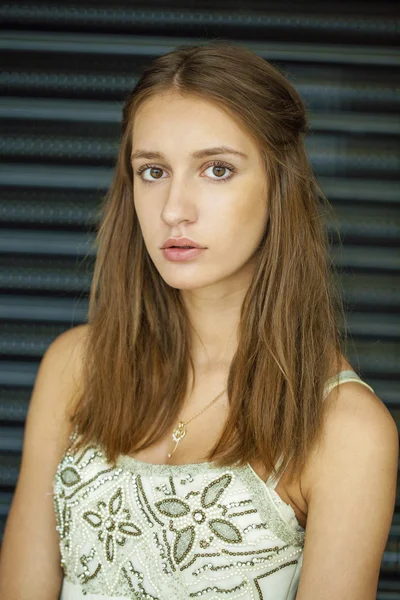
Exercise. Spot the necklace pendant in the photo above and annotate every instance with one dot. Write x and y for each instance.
(178, 433)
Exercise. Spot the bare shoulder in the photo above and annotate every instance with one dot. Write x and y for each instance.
(350, 489)
(64, 357)
(354, 418)
(352, 413)
(30, 556)
(68, 346)
(57, 384)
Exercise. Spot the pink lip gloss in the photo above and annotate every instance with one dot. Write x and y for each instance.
(180, 254)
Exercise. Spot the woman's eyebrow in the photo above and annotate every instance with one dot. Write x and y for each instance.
(197, 154)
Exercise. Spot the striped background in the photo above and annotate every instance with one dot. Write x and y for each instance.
(66, 70)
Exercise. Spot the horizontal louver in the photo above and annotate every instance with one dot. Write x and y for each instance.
(66, 70)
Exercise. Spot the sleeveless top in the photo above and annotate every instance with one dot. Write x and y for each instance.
(155, 531)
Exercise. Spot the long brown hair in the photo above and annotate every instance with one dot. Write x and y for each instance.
(136, 370)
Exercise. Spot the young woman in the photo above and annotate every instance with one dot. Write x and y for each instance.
(192, 440)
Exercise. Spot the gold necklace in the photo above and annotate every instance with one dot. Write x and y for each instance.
(180, 431)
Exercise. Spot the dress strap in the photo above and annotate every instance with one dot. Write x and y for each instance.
(340, 377)
(343, 377)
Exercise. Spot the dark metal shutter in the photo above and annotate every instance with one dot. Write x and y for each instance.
(67, 68)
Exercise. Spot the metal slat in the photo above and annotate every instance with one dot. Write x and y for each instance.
(43, 309)
(46, 243)
(34, 208)
(9, 469)
(370, 291)
(18, 373)
(21, 340)
(376, 359)
(14, 403)
(101, 112)
(60, 177)
(46, 274)
(360, 190)
(131, 45)
(367, 258)
(290, 21)
(379, 326)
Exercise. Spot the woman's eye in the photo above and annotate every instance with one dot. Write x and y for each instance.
(148, 168)
(217, 170)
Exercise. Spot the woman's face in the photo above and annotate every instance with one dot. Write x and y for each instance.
(221, 207)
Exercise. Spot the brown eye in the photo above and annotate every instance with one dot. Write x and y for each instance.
(155, 169)
(218, 169)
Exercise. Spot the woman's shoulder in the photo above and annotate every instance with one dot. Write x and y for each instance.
(349, 397)
(350, 486)
(45, 439)
(354, 417)
(70, 340)
(59, 378)
(68, 349)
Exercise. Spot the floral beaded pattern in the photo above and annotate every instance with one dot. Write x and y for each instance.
(142, 530)
(139, 530)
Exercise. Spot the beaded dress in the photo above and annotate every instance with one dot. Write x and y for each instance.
(155, 531)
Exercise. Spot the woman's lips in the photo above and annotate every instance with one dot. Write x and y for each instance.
(181, 254)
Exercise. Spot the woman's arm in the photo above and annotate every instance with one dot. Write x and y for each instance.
(351, 493)
(30, 557)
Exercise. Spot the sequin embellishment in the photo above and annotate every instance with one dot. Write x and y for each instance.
(140, 530)
(160, 531)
